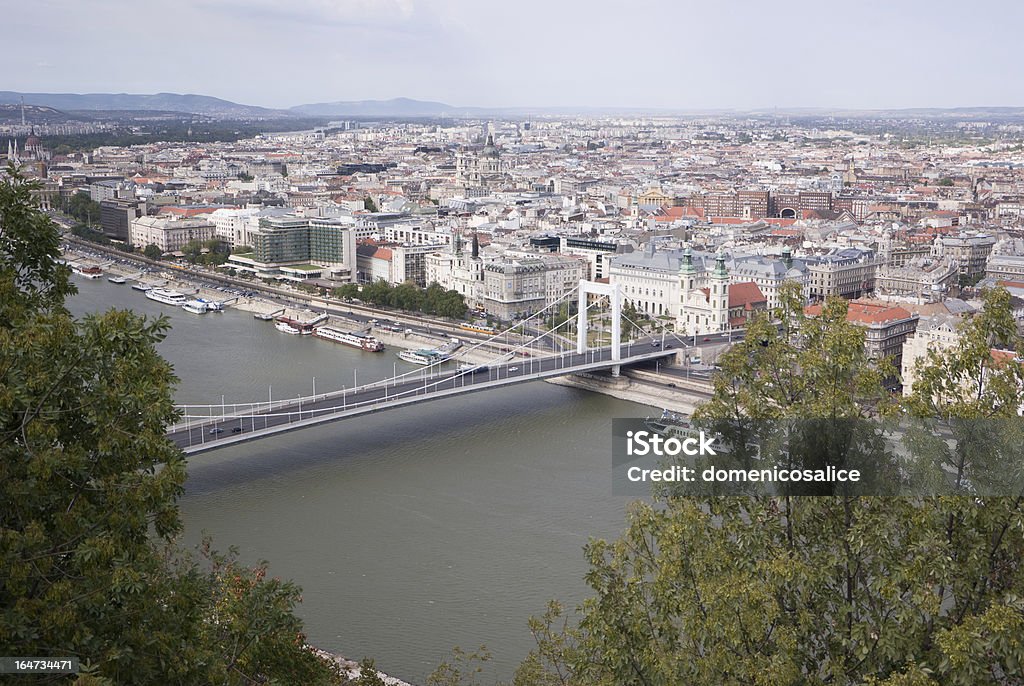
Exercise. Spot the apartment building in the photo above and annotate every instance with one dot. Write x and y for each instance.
(521, 286)
(847, 273)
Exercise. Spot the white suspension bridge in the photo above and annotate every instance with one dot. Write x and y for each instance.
(209, 426)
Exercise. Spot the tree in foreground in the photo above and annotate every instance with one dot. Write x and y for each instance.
(88, 498)
(808, 590)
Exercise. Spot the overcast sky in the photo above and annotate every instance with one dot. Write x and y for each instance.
(684, 54)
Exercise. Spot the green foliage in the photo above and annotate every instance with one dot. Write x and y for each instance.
(30, 278)
(369, 205)
(407, 296)
(88, 498)
(630, 318)
(83, 208)
(153, 252)
(462, 669)
(970, 381)
(89, 234)
(212, 252)
(944, 181)
(566, 311)
(811, 590)
(805, 367)
(368, 675)
(145, 132)
(349, 291)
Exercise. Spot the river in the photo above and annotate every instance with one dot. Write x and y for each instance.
(410, 531)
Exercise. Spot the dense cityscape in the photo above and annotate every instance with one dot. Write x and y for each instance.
(908, 224)
(456, 343)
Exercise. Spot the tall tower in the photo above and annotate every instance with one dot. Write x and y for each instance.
(23, 110)
(719, 299)
(687, 276)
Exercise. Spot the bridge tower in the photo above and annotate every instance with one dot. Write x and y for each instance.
(614, 293)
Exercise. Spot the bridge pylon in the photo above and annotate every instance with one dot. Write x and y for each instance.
(614, 293)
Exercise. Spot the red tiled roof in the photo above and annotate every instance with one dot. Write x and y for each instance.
(866, 313)
(745, 294)
(1003, 356)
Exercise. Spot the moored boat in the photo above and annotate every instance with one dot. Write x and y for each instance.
(423, 357)
(166, 296)
(285, 327)
(116, 279)
(87, 272)
(196, 306)
(355, 340)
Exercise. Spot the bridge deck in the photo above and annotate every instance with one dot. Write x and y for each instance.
(262, 420)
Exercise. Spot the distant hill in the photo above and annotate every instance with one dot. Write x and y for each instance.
(109, 104)
(167, 102)
(396, 107)
(36, 114)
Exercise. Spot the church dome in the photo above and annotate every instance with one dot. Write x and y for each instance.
(490, 149)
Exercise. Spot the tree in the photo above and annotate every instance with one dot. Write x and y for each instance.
(407, 296)
(153, 252)
(83, 208)
(631, 318)
(30, 278)
(432, 298)
(971, 380)
(368, 675)
(88, 497)
(813, 590)
(369, 205)
(452, 304)
(377, 293)
(349, 291)
(463, 669)
(192, 251)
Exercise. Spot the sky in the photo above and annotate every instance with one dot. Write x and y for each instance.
(675, 54)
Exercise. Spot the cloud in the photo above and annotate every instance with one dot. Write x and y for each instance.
(337, 12)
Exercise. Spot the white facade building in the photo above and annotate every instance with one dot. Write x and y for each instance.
(168, 233)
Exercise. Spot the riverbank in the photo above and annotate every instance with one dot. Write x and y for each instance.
(352, 670)
(194, 285)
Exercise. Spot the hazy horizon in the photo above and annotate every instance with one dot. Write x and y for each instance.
(649, 55)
